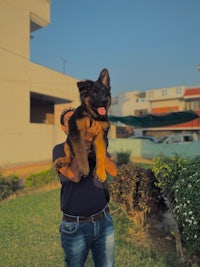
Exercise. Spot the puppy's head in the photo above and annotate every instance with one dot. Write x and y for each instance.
(96, 96)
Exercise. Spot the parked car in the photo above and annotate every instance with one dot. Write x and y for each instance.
(145, 137)
(178, 138)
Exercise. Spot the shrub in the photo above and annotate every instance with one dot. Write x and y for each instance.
(123, 157)
(9, 185)
(187, 197)
(41, 178)
(179, 180)
(134, 190)
(167, 171)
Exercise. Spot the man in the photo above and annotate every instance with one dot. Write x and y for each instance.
(87, 223)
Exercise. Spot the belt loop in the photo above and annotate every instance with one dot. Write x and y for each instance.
(78, 219)
(92, 219)
(104, 210)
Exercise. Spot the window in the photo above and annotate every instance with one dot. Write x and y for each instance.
(151, 94)
(141, 112)
(178, 90)
(41, 109)
(195, 105)
(188, 105)
(164, 92)
(141, 100)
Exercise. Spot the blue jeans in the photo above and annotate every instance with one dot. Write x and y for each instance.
(78, 238)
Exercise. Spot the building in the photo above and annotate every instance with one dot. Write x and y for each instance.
(165, 100)
(158, 102)
(31, 96)
(129, 103)
(180, 98)
(192, 99)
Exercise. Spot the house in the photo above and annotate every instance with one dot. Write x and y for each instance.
(158, 102)
(180, 98)
(31, 96)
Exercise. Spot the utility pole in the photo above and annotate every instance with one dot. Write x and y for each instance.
(64, 61)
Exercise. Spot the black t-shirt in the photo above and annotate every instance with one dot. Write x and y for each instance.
(85, 198)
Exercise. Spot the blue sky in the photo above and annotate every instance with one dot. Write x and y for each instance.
(145, 44)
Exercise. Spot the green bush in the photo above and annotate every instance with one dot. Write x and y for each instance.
(187, 197)
(123, 157)
(41, 178)
(9, 185)
(167, 171)
(134, 190)
(179, 180)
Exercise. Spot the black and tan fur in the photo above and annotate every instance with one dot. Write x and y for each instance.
(95, 97)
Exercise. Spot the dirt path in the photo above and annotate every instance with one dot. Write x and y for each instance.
(23, 170)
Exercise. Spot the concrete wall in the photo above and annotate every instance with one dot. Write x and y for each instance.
(20, 140)
(148, 150)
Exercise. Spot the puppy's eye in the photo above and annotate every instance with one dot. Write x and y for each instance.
(94, 94)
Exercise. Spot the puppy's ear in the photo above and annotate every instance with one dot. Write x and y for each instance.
(80, 86)
(84, 85)
(104, 78)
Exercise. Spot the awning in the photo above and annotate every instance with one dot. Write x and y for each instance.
(47, 98)
(155, 120)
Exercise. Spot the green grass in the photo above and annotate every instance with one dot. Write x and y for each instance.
(29, 231)
(29, 236)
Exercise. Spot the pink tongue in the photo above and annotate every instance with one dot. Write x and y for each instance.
(101, 111)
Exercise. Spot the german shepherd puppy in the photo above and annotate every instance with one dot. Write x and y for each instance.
(95, 100)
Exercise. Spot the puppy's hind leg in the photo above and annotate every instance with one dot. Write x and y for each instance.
(100, 150)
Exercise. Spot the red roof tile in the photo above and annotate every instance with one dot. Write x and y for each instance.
(192, 91)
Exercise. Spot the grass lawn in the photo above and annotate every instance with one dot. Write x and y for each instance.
(29, 236)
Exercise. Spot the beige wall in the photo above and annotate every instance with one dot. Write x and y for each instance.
(45, 81)
(165, 103)
(15, 18)
(20, 140)
(165, 93)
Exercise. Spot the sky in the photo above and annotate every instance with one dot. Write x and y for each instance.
(145, 44)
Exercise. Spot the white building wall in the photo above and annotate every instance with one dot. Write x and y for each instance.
(127, 103)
